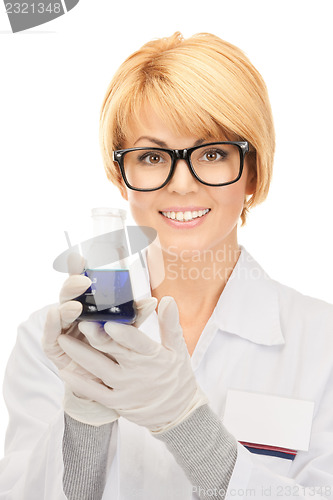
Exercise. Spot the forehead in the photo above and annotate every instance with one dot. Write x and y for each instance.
(176, 133)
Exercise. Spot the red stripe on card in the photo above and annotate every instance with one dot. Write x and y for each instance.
(267, 447)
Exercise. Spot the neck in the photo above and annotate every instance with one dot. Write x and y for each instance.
(194, 278)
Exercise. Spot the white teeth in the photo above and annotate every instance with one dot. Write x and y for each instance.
(185, 216)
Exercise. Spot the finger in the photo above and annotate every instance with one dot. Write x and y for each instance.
(75, 263)
(87, 411)
(129, 336)
(144, 309)
(69, 312)
(73, 287)
(52, 330)
(79, 370)
(94, 332)
(94, 390)
(90, 359)
(170, 329)
(90, 389)
(98, 338)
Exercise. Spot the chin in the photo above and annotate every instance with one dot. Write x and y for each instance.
(177, 246)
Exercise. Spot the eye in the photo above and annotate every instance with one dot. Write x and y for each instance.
(212, 155)
(151, 158)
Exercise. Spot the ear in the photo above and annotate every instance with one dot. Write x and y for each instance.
(251, 180)
(123, 191)
(251, 183)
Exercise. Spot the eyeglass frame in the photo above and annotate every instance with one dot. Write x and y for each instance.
(180, 154)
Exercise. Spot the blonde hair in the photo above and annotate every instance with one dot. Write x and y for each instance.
(202, 86)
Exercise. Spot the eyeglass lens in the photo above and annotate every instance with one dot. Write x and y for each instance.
(214, 164)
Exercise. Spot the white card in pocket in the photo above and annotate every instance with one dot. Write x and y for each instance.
(269, 420)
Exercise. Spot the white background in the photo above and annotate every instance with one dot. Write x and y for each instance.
(52, 83)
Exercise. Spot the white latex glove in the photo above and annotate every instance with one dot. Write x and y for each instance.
(79, 401)
(61, 319)
(152, 384)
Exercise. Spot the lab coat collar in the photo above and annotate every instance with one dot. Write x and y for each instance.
(248, 306)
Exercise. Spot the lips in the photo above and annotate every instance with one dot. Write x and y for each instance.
(189, 208)
(184, 215)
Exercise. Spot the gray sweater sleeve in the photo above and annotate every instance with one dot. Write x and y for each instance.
(205, 450)
(202, 446)
(85, 453)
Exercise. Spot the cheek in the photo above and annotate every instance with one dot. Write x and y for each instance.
(230, 199)
(140, 205)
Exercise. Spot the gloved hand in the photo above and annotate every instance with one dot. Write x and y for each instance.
(79, 401)
(151, 384)
(60, 320)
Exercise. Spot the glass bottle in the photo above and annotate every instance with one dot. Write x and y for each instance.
(110, 296)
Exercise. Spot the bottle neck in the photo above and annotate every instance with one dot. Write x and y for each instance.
(111, 223)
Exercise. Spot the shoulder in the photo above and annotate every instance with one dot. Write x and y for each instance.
(299, 316)
(304, 307)
(291, 304)
(306, 322)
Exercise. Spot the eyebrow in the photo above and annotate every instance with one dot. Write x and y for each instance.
(163, 144)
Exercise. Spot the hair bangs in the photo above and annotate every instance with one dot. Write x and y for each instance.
(181, 114)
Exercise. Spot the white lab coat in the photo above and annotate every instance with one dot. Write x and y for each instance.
(262, 337)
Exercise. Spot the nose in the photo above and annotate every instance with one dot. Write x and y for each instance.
(182, 181)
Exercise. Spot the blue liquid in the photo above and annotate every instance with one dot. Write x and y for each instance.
(109, 298)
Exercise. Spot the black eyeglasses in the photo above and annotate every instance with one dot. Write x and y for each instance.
(212, 164)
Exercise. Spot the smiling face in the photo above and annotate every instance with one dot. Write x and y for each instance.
(217, 210)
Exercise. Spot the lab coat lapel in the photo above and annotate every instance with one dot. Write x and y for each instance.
(248, 306)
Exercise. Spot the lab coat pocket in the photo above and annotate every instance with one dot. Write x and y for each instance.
(274, 428)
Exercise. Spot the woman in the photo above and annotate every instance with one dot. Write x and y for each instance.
(213, 395)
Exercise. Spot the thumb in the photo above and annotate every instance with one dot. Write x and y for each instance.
(144, 308)
(170, 329)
